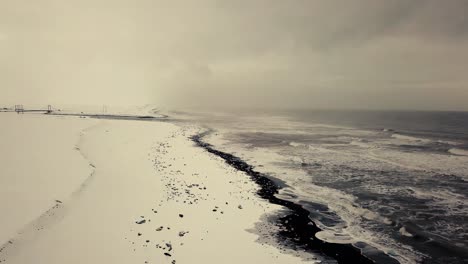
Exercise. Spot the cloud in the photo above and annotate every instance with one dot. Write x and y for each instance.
(269, 53)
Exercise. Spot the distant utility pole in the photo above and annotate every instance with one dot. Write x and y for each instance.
(104, 108)
(49, 109)
(19, 109)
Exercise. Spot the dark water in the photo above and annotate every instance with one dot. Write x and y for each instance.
(437, 125)
(388, 182)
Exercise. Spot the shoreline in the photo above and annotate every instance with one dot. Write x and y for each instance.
(154, 197)
(291, 226)
(298, 229)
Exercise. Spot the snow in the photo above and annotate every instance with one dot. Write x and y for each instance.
(110, 174)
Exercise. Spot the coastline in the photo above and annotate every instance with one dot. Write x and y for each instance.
(154, 197)
(298, 230)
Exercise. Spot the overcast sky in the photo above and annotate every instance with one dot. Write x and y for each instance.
(260, 53)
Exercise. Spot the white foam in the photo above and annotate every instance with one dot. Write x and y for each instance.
(448, 142)
(295, 144)
(409, 138)
(404, 232)
(457, 151)
(360, 143)
(337, 238)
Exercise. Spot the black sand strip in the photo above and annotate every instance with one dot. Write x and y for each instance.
(299, 231)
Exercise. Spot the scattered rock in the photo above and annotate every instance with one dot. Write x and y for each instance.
(181, 215)
(141, 222)
(159, 228)
(182, 233)
(139, 234)
(167, 254)
(58, 201)
(240, 207)
(169, 246)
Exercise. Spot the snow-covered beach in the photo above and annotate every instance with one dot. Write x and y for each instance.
(143, 187)
(83, 190)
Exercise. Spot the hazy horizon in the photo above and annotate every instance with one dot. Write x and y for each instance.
(365, 55)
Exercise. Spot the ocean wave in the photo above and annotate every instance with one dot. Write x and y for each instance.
(410, 138)
(295, 144)
(457, 151)
(365, 185)
(447, 142)
(360, 143)
(353, 223)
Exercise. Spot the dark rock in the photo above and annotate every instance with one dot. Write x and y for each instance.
(169, 246)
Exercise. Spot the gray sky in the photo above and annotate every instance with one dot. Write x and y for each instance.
(261, 53)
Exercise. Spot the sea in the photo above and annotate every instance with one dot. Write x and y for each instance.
(391, 183)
